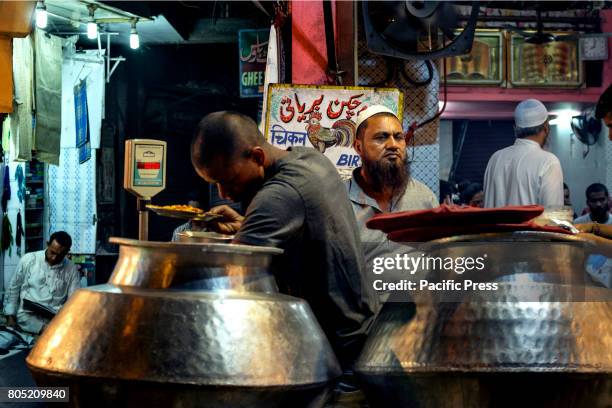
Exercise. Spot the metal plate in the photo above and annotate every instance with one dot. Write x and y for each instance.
(186, 215)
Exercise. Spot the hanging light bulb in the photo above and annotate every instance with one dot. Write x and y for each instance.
(41, 14)
(92, 27)
(134, 39)
(92, 30)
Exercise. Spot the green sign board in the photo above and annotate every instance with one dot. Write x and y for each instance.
(253, 49)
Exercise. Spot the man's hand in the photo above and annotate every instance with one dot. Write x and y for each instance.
(230, 223)
(11, 321)
(601, 230)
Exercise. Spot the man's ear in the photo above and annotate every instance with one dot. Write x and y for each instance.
(358, 146)
(258, 154)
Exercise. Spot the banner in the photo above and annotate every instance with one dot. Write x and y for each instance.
(323, 117)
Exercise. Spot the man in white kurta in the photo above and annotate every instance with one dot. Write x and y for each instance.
(524, 173)
(45, 277)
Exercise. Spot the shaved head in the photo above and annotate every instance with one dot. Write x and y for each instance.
(229, 150)
(224, 134)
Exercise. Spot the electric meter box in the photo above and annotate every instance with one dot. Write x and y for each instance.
(144, 167)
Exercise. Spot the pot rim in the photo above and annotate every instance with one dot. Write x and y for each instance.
(517, 236)
(204, 247)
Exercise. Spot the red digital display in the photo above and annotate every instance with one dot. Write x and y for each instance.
(148, 165)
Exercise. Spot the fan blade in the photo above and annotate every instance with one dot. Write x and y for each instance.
(401, 31)
(447, 20)
(447, 16)
(393, 22)
(390, 9)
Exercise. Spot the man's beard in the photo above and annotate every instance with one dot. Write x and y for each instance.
(385, 173)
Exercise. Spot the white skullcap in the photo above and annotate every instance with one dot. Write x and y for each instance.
(530, 113)
(371, 111)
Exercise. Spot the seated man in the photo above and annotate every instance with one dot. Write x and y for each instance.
(383, 183)
(44, 277)
(599, 209)
(599, 267)
(295, 201)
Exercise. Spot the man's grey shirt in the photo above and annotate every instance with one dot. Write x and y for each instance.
(416, 196)
(304, 209)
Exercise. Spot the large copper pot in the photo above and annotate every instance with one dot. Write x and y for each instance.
(496, 350)
(186, 325)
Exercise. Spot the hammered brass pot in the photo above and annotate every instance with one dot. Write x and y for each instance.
(498, 349)
(186, 325)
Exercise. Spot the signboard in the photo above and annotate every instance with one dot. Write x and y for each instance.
(80, 114)
(253, 49)
(323, 117)
(145, 167)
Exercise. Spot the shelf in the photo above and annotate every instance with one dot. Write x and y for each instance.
(36, 237)
(34, 208)
(34, 182)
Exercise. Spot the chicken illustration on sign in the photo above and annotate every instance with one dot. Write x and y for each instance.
(342, 133)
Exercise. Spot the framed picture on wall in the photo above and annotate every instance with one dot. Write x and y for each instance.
(552, 64)
(483, 66)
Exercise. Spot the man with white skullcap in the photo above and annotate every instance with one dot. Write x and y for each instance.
(524, 173)
(383, 183)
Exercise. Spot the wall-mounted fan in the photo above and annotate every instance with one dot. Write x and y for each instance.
(586, 128)
(419, 29)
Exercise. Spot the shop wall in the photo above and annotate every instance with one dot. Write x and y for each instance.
(580, 171)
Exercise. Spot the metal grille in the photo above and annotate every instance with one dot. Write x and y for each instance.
(420, 104)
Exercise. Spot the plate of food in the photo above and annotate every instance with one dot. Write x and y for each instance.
(183, 211)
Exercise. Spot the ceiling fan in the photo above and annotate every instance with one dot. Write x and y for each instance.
(540, 37)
